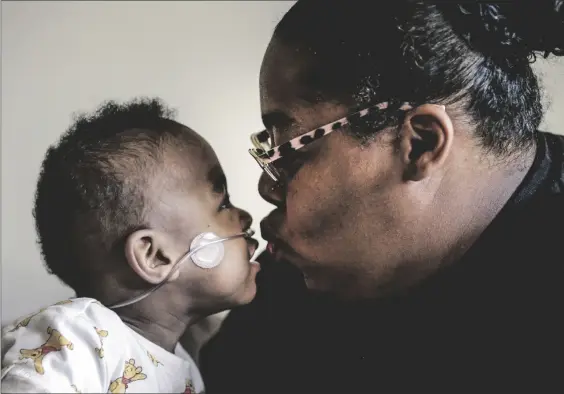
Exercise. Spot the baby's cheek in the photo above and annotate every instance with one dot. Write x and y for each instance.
(230, 276)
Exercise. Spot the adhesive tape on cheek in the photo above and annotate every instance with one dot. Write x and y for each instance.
(209, 256)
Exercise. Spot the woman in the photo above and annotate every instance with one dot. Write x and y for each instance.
(410, 249)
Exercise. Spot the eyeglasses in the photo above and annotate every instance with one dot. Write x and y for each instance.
(266, 155)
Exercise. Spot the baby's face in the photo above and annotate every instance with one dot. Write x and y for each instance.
(199, 203)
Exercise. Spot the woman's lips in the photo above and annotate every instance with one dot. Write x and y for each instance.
(269, 230)
(277, 249)
(271, 248)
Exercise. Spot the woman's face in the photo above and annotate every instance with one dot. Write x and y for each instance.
(340, 216)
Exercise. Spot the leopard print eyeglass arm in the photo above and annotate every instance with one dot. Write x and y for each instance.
(265, 155)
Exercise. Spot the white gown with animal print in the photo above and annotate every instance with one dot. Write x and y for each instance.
(80, 346)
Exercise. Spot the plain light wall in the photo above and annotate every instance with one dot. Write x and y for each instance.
(202, 58)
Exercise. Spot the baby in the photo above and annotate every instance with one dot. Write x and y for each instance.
(126, 205)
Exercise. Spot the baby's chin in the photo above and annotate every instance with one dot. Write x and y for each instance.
(235, 295)
(249, 288)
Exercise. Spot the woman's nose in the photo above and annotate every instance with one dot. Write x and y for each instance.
(271, 191)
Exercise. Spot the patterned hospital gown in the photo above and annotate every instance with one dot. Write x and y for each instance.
(80, 346)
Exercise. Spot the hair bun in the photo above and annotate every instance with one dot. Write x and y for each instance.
(513, 30)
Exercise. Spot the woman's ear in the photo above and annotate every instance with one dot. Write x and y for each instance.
(426, 139)
(148, 254)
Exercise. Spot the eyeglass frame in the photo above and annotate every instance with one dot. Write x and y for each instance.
(265, 157)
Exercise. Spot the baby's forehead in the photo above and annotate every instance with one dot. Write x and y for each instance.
(183, 183)
(216, 178)
(195, 160)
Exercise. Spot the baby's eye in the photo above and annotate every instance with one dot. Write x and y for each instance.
(225, 203)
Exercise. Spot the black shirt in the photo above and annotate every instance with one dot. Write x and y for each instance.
(492, 322)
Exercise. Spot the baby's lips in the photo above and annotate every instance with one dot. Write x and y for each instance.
(252, 246)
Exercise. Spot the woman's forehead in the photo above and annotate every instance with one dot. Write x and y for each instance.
(280, 76)
(283, 97)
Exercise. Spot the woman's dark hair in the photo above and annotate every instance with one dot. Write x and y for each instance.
(474, 55)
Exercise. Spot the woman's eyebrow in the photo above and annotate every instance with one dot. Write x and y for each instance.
(277, 119)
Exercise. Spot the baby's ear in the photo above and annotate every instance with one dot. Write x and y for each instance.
(148, 254)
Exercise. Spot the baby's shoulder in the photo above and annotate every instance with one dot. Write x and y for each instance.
(59, 346)
(70, 312)
(79, 321)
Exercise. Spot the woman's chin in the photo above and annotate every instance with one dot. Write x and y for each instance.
(316, 284)
(310, 283)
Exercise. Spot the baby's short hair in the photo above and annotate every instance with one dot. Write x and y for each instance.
(91, 189)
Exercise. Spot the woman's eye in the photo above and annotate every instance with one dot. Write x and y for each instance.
(291, 164)
(270, 141)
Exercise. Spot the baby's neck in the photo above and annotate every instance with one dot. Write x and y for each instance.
(161, 318)
(163, 326)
